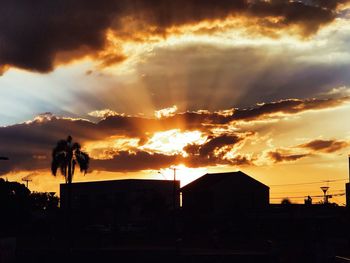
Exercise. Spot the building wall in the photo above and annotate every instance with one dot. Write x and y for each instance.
(347, 189)
(226, 197)
(120, 201)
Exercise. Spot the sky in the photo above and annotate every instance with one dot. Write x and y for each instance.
(261, 86)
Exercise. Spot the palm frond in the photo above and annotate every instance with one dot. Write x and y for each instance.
(76, 146)
(58, 157)
(65, 155)
(83, 160)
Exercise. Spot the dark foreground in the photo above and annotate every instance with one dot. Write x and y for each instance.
(140, 255)
(162, 255)
(244, 250)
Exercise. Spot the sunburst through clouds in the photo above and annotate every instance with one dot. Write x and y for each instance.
(145, 86)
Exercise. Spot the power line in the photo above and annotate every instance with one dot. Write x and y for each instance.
(318, 182)
(305, 191)
(294, 197)
(320, 196)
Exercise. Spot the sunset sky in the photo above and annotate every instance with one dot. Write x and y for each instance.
(261, 86)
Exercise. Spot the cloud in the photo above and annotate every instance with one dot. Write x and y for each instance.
(40, 35)
(308, 14)
(104, 113)
(165, 112)
(341, 91)
(202, 138)
(262, 111)
(286, 107)
(124, 161)
(313, 147)
(33, 34)
(327, 146)
(279, 156)
(208, 149)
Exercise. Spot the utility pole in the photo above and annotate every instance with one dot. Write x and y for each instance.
(174, 189)
(27, 181)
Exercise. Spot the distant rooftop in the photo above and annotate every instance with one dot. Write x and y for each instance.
(211, 179)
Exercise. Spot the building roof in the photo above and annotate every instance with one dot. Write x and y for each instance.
(211, 179)
(122, 181)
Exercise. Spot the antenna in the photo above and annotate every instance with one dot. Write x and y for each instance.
(27, 181)
(325, 189)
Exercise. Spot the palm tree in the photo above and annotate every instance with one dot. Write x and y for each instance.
(65, 156)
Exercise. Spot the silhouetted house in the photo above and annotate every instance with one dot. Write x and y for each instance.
(120, 202)
(224, 194)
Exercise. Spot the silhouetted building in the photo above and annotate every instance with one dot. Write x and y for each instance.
(347, 189)
(224, 193)
(120, 202)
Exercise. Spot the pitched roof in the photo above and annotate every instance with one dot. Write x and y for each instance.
(210, 179)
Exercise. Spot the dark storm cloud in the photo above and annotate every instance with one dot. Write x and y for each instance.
(309, 16)
(327, 146)
(34, 33)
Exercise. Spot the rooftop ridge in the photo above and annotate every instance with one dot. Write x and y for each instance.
(121, 180)
(223, 175)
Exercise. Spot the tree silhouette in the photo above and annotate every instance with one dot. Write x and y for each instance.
(65, 156)
(286, 202)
